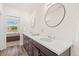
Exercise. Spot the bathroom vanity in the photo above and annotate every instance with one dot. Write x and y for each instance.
(34, 48)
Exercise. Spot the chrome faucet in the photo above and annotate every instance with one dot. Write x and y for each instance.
(50, 37)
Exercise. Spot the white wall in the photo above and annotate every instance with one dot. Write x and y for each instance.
(2, 30)
(27, 15)
(1, 10)
(13, 12)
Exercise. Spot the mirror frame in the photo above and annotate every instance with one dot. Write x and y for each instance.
(62, 16)
(34, 20)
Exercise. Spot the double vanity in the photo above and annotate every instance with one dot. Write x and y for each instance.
(41, 47)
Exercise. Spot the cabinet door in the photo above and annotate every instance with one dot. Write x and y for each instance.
(30, 49)
(26, 43)
(35, 51)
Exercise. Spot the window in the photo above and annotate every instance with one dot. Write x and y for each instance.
(12, 23)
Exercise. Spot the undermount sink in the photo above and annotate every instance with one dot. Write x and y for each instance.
(36, 34)
(46, 39)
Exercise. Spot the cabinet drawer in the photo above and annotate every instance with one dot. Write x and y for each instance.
(13, 38)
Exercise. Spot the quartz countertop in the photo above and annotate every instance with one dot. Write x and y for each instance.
(57, 46)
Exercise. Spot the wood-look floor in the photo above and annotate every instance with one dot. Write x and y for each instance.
(14, 51)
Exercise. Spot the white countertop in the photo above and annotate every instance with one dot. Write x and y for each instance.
(57, 46)
(9, 34)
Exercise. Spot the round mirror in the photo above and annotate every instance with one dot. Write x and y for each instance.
(55, 15)
(33, 20)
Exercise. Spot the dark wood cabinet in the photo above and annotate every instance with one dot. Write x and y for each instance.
(34, 48)
(13, 38)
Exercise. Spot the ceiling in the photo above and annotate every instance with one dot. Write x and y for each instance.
(24, 6)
